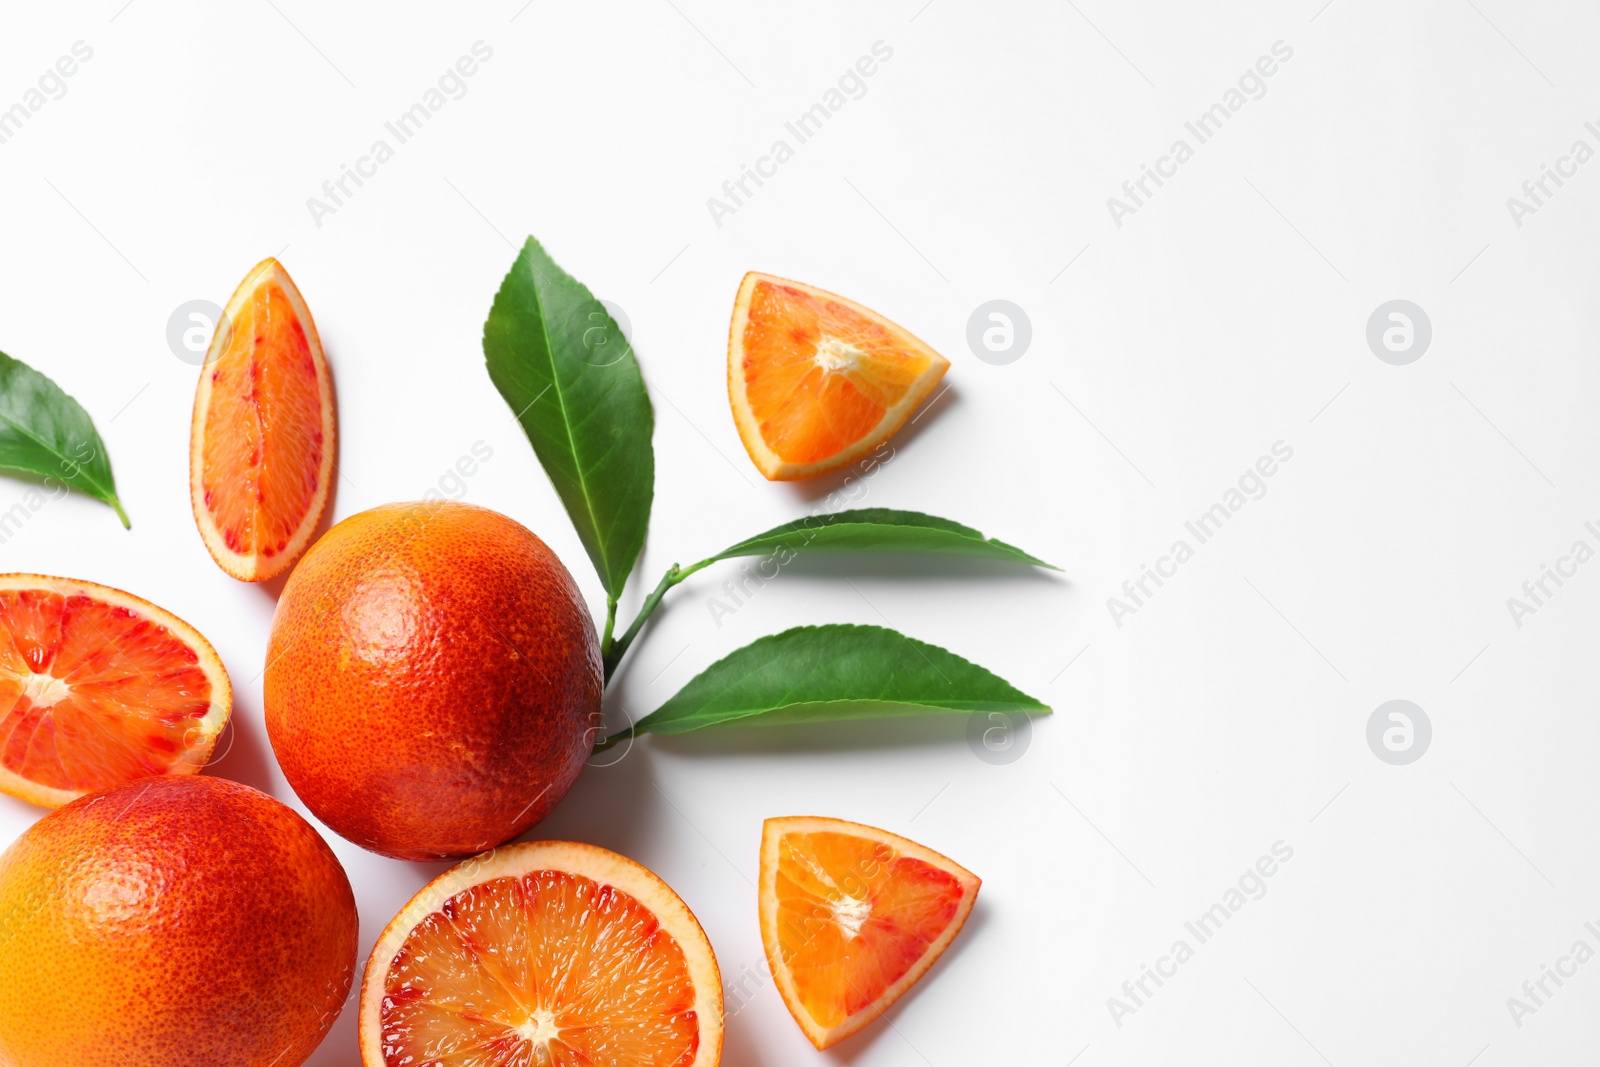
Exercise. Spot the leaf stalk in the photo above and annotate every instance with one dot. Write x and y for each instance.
(611, 652)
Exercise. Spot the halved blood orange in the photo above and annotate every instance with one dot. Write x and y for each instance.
(261, 444)
(99, 687)
(547, 953)
(851, 917)
(818, 381)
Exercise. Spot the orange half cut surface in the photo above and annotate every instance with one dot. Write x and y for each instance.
(851, 917)
(817, 381)
(99, 687)
(261, 445)
(543, 954)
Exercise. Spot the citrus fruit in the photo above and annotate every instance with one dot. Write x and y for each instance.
(818, 381)
(546, 953)
(262, 441)
(851, 917)
(98, 687)
(432, 679)
(171, 920)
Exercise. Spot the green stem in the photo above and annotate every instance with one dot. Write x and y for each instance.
(610, 624)
(611, 652)
(613, 739)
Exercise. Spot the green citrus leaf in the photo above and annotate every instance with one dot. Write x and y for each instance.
(879, 530)
(826, 673)
(561, 362)
(45, 432)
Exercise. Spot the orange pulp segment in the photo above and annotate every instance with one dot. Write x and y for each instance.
(99, 687)
(817, 381)
(262, 439)
(851, 917)
(545, 953)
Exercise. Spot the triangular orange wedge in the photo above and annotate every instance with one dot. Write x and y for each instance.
(543, 954)
(261, 445)
(818, 381)
(851, 917)
(99, 687)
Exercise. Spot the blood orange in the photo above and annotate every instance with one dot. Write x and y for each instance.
(261, 443)
(433, 679)
(547, 952)
(818, 381)
(172, 921)
(851, 917)
(98, 687)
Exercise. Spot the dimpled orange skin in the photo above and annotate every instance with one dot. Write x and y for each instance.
(171, 920)
(433, 677)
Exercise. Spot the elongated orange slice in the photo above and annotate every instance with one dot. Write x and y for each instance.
(543, 954)
(261, 446)
(99, 687)
(851, 917)
(818, 381)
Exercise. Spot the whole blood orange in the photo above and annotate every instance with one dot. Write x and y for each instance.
(98, 687)
(171, 920)
(817, 381)
(543, 954)
(432, 679)
(851, 917)
(262, 438)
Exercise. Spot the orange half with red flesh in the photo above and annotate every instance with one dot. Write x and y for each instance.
(99, 687)
(261, 449)
(543, 954)
(817, 381)
(851, 917)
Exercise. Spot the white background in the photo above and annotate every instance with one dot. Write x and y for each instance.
(1167, 354)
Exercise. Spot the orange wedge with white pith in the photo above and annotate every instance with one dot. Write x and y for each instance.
(99, 687)
(851, 917)
(261, 444)
(817, 381)
(543, 954)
